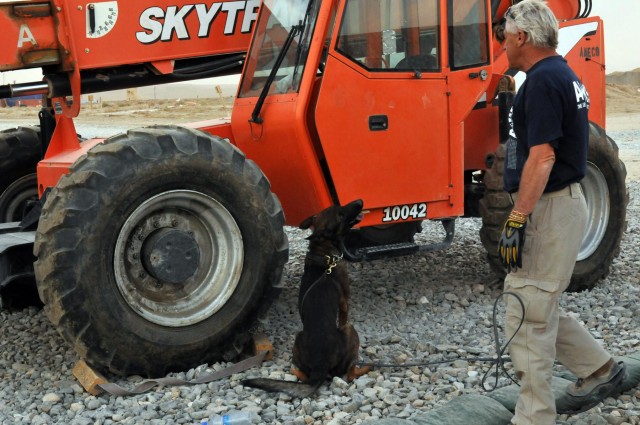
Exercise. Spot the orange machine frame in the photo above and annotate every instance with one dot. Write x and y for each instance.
(292, 143)
(301, 130)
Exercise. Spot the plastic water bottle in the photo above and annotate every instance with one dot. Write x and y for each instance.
(232, 418)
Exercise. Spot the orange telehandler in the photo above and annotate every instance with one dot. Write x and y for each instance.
(155, 250)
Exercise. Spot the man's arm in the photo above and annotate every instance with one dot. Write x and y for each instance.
(532, 183)
(534, 177)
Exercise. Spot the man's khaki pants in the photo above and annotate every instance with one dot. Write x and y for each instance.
(553, 238)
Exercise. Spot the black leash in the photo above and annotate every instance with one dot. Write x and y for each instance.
(497, 361)
(146, 385)
(328, 261)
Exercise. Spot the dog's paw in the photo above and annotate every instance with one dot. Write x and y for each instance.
(299, 374)
(355, 372)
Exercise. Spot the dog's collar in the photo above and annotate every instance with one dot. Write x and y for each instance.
(329, 261)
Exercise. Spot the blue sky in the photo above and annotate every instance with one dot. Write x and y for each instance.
(622, 39)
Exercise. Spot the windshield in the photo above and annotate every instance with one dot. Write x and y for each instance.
(278, 19)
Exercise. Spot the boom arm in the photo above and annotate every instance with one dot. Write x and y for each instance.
(68, 34)
(89, 47)
(562, 9)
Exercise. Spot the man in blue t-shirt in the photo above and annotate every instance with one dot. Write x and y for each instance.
(552, 106)
(545, 160)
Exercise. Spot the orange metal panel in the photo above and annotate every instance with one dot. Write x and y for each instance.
(562, 9)
(481, 136)
(28, 38)
(65, 149)
(587, 59)
(217, 127)
(151, 30)
(419, 157)
(52, 168)
(64, 139)
(163, 67)
(282, 147)
(408, 162)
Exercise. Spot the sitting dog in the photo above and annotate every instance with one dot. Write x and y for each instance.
(328, 345)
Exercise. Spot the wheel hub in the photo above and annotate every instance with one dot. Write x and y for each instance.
(596, 193)
(178, 258)
(170, 255)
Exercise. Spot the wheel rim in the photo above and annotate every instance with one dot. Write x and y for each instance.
(16, 197)
(206, 225)
(596, 192)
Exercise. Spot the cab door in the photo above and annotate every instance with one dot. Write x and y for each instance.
(399, 78)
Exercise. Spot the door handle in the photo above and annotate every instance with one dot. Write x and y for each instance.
(483, 74)
(378, 122)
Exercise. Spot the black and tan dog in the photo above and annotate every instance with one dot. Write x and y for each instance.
(328, 345)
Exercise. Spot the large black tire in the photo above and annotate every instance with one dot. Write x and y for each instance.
(20, 152)
(104, 270)
(607, 197)
(494, 207)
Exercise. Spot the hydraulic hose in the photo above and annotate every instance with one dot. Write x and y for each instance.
(588, 4)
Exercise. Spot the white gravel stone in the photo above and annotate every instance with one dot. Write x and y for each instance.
(51, 398)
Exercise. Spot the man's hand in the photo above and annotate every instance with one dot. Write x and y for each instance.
(512, 241)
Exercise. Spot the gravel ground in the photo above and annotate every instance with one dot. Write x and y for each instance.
(409, 309)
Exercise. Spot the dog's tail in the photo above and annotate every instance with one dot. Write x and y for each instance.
(294, 389)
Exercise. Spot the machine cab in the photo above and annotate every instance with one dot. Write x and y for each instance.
(364, 99)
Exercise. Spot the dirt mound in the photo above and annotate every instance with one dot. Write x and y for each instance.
(623, 99)
(141, 112)
(629, 78)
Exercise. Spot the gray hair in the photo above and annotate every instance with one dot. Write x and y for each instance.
(536, 19)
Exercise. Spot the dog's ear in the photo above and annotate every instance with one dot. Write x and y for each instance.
(307, 222)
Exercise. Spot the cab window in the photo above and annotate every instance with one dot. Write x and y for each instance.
(468, 38)
(391, 35)
(279, 21)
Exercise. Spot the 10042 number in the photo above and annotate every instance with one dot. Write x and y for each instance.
(404, 212)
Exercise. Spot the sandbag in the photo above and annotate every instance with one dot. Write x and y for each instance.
(463, 410)
(508, 396)
(496, 408)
